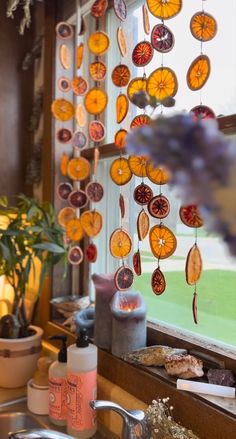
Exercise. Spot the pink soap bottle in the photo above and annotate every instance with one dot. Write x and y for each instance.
(57, 378)
(82, 387)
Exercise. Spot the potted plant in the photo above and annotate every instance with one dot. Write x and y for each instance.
(31, 233)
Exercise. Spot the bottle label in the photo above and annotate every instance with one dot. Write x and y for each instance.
(58, 398)
(82, 388)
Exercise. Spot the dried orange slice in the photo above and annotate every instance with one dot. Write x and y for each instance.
(79, 140)
(193, 267)
(75, 255)
(64, 163)
(96, 157)
(162, 83)
(91, 221)
(190, 216)
(99, 8)
(78, 168)
(120, 9)
(162, 38)
(79, 86)
(159, 207)
(124, 278)
(143, 194)
(122, 206)
(97, 131)
(120, 171)
(65, 56)
(146, 22)
(74, 230)
(64, 31)
(62, 109)
(97, 70)
(203, 26)
(157, 175)
(80, 115)
(201, 112)
(79, 55)
(164, 9)
(121, 41)
(198, 72)
(141, 119)
(64, 84)
(78, 199)
(122, 107)
(98, 43)
(142, 225)
(120, 138)
(95, 100)
(120, 75)
(95, 191)
(136, 85)
(162, 241)
(142, 54)
(63, 190)
(120, 244)
(137, 263)
(158, 282)
(65, 215)
(137, 165)
(91, 252)
(64, 135)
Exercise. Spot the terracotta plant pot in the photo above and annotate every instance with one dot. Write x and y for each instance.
(18, 359)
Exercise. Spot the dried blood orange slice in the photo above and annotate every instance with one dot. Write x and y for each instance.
(65, 215)
(121, 41)
(120, 75)
(79, 55)
(162, 38)
(137, 165)
(78, 168)
(158, 282)
(190, 216)
(162, 83)
(142, 225)
(78, 199)
(198, 72)
(99, 8)
(162, 241)
(64, 84)
(98, 43)
(64, 163)
(142, 54)
(91, 221)
(97, 131)
(95, 191)
(120, 138)
(164, 9)
(64, 135)
(62, 109)
(194, 308)
(124, 278)
(135, 86)
(80, 115)
(157, 175)
(79, 85)
(143, 194)
(122, 107)
(82, 26)
(120, 9)
(64, 190)
(91, 253)
(120, 244)
(203, 26)
(120, 171)
(146, 22)
(64, 31)
(79, 140)
(159, 207)
(74, 230)
(202, 112)
(97, 70)
(193, 267)
(140, 119)
(95, 101)
(137, 263)
(122, 205)
(65, 56)
(75, 255)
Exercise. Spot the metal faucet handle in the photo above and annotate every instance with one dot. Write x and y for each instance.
(39, 433)
(134, 415)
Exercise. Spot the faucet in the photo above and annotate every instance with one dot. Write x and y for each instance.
(134, 425)
(38, 434)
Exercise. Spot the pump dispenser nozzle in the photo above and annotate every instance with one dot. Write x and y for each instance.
(62, 356)
(82, 340)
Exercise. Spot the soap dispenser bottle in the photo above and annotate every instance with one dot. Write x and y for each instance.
(82, 387)
(57, 378)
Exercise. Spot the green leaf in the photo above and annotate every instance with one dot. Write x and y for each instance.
(5, 252)
(3, 201)
(49, 246)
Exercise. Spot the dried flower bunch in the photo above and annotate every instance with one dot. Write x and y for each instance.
(25, 4)
(162, 424)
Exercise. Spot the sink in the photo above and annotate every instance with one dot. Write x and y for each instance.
(15, 416)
